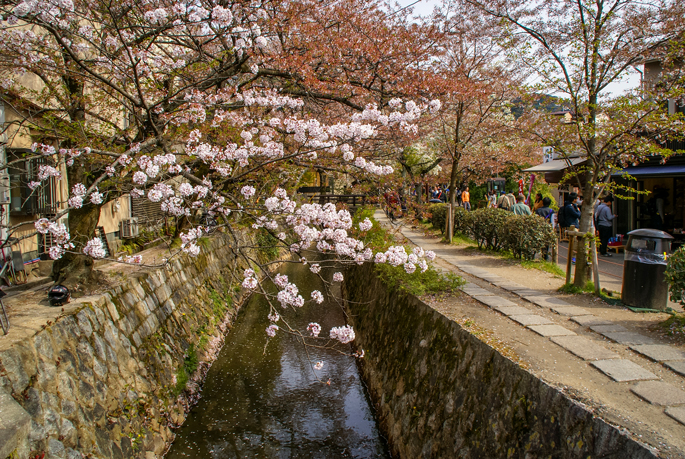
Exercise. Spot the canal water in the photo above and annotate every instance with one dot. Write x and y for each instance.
(262, 402)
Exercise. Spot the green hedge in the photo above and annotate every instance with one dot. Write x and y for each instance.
(675, 275)
(487, 227)
(496, 229)
(526, 235)
(438, 216)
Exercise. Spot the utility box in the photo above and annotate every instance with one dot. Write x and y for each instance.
(644, 280)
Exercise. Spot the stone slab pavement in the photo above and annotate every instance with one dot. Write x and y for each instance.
(659, 393)
(659, 352)
(590, 320)
(551, 330)
(584, 348)
(623, 370)
(628, 337)
(531, 319)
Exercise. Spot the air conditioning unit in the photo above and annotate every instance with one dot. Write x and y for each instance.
(128, 228)
(4, 189)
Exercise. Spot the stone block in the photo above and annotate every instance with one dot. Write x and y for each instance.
(44, 346)
(551, 330)
(112, 309)
(56, 449)
(548, 301)
(623, 370)
(510, 286)
(15, 424)
(474, 290)
(531, 319)
(570, 311)
(628, 338)
(610, 327)
(142, 309)
(495, 301)
(659, 352)
(678, 366)
(529, 293)
(513, 310)
(128, 299)
(659, 393)
(84, 323)
(584, 348)
(590, 320)
(677, 413)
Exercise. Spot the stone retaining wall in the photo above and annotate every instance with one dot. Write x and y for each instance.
(441, 392)
(102, 381)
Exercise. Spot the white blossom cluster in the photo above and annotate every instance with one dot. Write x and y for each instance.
(344, 334)
(95, 248)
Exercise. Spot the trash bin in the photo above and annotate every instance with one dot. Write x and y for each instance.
(644, 283)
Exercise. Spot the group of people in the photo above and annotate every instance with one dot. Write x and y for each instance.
(441, 194)
(568, 215)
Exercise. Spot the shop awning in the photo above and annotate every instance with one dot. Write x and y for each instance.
(555, 165)
(654, 171)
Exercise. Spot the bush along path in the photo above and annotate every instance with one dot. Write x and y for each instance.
(532, 308)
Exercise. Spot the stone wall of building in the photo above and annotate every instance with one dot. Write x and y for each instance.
(441, 392)
(108, 378)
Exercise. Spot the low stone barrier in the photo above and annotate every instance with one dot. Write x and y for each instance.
(441, 392)
(103, 380)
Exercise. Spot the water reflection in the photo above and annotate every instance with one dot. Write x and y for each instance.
(270, 404)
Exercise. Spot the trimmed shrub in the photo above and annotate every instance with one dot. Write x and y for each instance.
(526, 235)
(438, 216)
(675, 275)
(488, 226)
(463, 221)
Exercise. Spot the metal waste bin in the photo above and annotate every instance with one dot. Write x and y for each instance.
(644, 283)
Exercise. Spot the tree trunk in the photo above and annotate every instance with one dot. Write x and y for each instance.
(452, 199)
(77, 268)
(582, 275)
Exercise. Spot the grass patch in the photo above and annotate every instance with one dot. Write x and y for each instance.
(674, 325)
(573, 289)
(190, 364)
(461, 239)
(540, 265)
(543, 265)
(418, 283)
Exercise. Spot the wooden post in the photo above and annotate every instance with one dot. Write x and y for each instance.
(571, 239)
(450, 223)
(595, 266)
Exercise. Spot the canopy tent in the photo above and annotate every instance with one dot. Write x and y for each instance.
(555, 165)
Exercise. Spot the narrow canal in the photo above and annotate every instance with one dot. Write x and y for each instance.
(268, 403)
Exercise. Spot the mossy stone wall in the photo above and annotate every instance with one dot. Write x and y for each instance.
(103, 380)
(440, 392)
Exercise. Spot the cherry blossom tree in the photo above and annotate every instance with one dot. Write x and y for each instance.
(191, 105)
(474, 130)
(576, 50)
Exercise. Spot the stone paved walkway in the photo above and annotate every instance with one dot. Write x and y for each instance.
(619, 369)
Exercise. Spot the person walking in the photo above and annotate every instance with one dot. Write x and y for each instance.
(466, 198)
(506, 201)
(570, 212)
(520, 208)
(538, 202)
(604, 219)
(545, 211)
